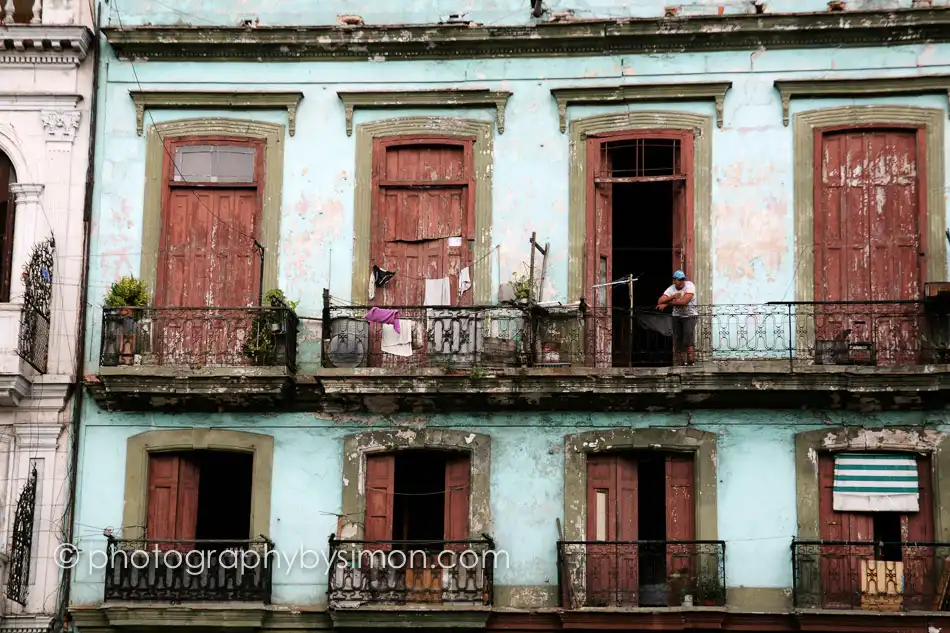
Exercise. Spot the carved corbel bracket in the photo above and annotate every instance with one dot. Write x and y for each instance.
(425, 99)
(636, 93)
(216, 100)
(849, 88)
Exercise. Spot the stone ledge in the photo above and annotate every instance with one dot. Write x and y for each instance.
(38, 44)
(425, 617)
(571, 38)
(230, 617)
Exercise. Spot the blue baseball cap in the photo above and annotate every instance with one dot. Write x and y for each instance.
(679, 274)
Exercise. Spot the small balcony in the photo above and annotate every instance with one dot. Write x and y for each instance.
(628, 574)
(21, 12)
(195, 357)
(851, 575)
(451, 576)
(743, 353)
(193, 571)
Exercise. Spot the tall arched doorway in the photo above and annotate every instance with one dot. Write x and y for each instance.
(7, 214)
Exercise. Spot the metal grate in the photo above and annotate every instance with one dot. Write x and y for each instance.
(35, 315)
(22, 545)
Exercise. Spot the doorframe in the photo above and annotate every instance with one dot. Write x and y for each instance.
(172, 143)
(631, 122)
(920, 147)
(931, 120)
(273, 136)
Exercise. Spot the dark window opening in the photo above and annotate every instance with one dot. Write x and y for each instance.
(7, 213)
(224, 495)
(419, 503)
(887, 535)
(649, 176)
(651, 515)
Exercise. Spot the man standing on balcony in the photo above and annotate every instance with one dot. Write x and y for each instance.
(682, 296)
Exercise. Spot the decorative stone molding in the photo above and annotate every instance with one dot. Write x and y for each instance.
(483, 162)
(60, 125)
(28, 102)
(216, 101)
(155, 155)
(44, 45)
(588, 38)
(426, 98)
(870, 87)
(701, 274)
(25, 193)
(803, 144)
(702, 444)
(891, 439)
(618, 95)
(355, 448)
(37, 437)
(139, 447)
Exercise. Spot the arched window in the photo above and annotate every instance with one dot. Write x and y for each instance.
(7, 213)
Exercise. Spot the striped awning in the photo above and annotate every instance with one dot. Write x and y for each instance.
(875, 482)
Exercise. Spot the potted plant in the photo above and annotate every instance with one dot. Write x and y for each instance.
(125, 294)
(679, 585)
(264, 341)
(710, 593)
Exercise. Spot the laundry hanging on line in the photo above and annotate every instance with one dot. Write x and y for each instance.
(397, 338)
(377, 279)
(384, 316)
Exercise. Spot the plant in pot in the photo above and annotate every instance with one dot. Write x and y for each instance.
(264, 340)
(125, 294)
(680, 585)
(710, 593)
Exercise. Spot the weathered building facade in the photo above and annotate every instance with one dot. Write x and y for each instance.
(46, 88)
(470, 218)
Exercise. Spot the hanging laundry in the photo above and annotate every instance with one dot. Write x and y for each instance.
(465, 280)
(397, 338)
(381, 276)
(371, 289)
(384, 316)
(437, 292)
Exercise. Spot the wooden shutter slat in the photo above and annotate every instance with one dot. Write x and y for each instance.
(457, 482)
(186, 524)
(380, 485)
(162, 513)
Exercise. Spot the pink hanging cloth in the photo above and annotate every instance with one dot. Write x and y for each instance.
(382, 315)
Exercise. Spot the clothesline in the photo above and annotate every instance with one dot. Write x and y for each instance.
(472, 265)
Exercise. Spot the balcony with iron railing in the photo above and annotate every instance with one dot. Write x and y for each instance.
(202, 356)
(868, 576)
(189, 571)
(627, 574)
(792, 347)
(384, 574)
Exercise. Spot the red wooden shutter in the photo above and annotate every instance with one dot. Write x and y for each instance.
(680, 524)
(919, 571)
(628, 578)
(457, 478)
(599, 248)
(162, 517)
(187, 517)
(380, 485)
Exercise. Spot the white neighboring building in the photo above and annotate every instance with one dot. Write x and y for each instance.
(46, 84)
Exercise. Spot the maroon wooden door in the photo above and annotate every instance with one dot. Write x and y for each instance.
(612, 568)
(380, 485)
(868, 239)
(172, 500)
(683, 203)
(841, 564)
(7, 207)
(207, 253)
(920, 561)
(681, 559)
(423, 220)
(599, 249)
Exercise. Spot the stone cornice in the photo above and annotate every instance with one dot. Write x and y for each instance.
(54, 45)
(570, 38)
(426, 98)
(599, 95)
(216, 100)
(29, 101)
(870, 87)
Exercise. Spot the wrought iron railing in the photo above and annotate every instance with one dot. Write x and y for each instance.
(458, 573)
(33, 339)
(21, 547)
(177, 571)
(800, 334)
(199, 337)
(882, 576)
(642, 573)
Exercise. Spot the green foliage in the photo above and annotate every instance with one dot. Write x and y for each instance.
(521, 286)
(260, 347)
(128, 291)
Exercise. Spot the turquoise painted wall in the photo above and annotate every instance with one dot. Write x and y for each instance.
(753, 239)
(488, 12)
(756, 493)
